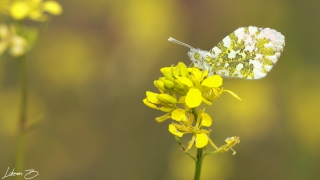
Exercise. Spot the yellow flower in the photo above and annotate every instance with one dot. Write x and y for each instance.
(34, 9)
(231, 141)
(182, 90)
(10, 39)
(184, 125)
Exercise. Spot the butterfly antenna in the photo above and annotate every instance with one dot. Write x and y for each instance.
(179, 42)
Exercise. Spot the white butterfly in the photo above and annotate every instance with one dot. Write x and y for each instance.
(248, 52)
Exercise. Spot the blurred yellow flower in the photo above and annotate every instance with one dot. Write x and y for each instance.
(10, 39)
(34, 9)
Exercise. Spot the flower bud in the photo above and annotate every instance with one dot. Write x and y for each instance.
(150, 105)
(166, 109)
(167, 73)
(159, 84)
(168, 84)
(166, 98)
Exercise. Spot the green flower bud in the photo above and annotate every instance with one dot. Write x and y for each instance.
(159, 84)
(168, 84)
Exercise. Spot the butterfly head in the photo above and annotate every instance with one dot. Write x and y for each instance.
(201, 59)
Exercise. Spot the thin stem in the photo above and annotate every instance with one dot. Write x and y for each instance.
(198, 164)
(199, 157)
(213, 152)
(20, 149)
(184, 148)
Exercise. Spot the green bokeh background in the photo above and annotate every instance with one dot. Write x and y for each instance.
(91, 68)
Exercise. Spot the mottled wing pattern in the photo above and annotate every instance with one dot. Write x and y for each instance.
(249, 53)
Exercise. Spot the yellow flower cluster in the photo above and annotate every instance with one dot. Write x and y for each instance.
(31, 9)
(182, 90)
(19, 39)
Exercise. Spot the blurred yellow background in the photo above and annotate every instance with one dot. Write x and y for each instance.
(90, 70)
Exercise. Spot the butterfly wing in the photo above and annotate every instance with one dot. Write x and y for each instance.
(248, 52)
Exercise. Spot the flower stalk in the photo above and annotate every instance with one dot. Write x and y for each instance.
(20, 149)
(198, 164)
(200, 156)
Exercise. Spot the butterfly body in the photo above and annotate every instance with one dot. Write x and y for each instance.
(248, 52)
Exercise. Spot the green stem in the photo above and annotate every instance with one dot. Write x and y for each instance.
(198, 164)
(194, 112)
(184, 149)
(20, 149)
(199, 157)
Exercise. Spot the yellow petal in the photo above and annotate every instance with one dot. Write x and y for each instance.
(191, 143)
(165, 70)
(19, 10)
(201, 140)
(185, 81)
(150, 105)
(206, 120)
(212, 81)
(179, 115)
(197, 73)
(193, 98)
(174, 131)
(152, 97)
(52, 7)
(183, 69)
